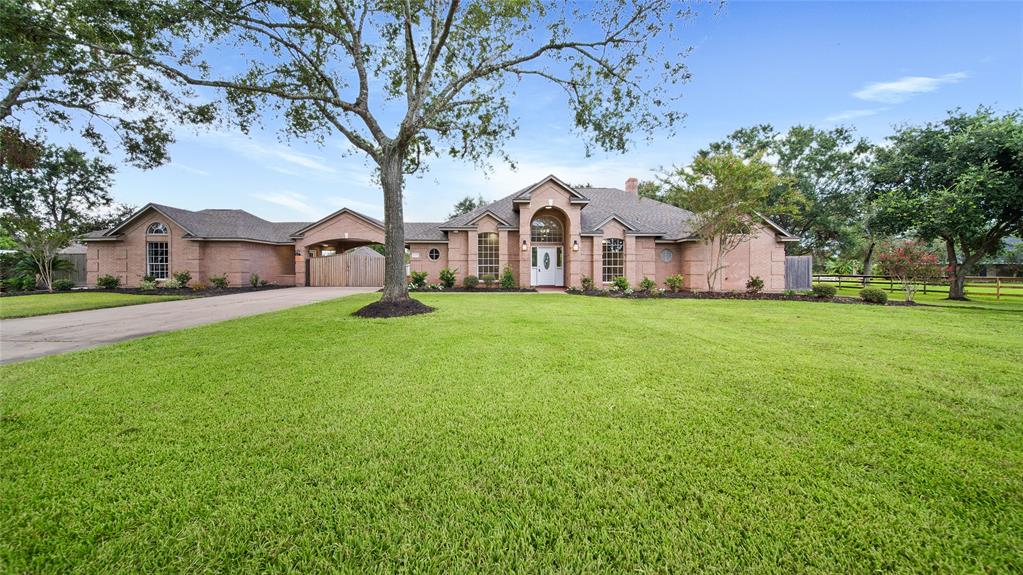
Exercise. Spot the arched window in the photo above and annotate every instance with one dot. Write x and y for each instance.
(614, 259)
(546, 229)
(157, 229)
(488, 261)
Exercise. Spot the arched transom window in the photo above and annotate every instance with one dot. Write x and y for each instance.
(157, 229)
(546, 229)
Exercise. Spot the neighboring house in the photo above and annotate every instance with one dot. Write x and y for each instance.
(548, 234)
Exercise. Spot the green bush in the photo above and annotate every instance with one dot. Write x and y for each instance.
(587, 283)
(171, 284)
(620, 284)
(108, 281)
(254, 280)
(675, 282)
(648, 285)
(754, 285)
(63, 285)
(447, 278)
(488, 280)
(220, 282)
(418, 280)
(263, 283)
(874, 295)
(182, 278)
(507, 278)
(149, 278)
(470, 282)
(824, 290)
(147, 285)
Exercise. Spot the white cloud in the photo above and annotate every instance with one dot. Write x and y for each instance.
(853, 114)
(291, 200)
(905, 88)
(368, 208)
(189, 169)
(257, 150)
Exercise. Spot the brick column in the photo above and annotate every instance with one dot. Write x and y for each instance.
(631, 255)
(525, 257)
(502, 252)
(471, 253)
(598, 260)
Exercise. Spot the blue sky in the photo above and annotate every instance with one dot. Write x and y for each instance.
(868, 65)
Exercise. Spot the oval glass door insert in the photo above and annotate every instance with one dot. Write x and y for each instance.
(547, 261)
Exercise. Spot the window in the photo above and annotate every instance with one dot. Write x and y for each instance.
(614, 259)
(487, 258)
(666, 255)
(434, 254)
(157, 260)
(546, 229)
(157, 229)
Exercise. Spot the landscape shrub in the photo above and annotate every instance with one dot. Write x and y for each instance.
(824, 290)
(254, 280)
(470, 282)
(263, 283)
(647, 285)
(574, 290)
(488, 280)
(790, 292)
(220, 282)
(587, 283)
(25, 282)
(911, 263)
(874, 295)
(108, 281)
(447, 278)
(147, 285)
(675, 282)
(507, 278)
(199, 286)
(754, 285)
(171, 284)
(620, 284)
(418, 280)
(182, 277)
(149, 278)
(63, 285)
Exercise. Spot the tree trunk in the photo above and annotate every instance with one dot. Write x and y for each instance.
(868, 263)
(392, 180)
(956, 273)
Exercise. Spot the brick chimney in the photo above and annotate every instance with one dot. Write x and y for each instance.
(632, 186)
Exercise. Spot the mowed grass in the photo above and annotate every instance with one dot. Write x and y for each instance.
(45, 304)
(528, 433)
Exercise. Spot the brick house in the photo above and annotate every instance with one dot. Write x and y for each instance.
(548, 234)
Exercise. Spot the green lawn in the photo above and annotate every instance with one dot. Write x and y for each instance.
(932, 298)
(29, 305)
(529, 433)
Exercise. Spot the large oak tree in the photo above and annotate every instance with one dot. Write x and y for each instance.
(403, 80)
(958, 181)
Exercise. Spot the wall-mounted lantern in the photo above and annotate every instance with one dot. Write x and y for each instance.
(575, 245)
(523, 245)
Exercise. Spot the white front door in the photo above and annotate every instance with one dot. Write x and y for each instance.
(548, 266)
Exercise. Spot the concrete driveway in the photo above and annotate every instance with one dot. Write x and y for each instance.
(28, 337)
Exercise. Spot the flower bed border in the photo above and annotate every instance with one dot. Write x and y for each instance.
(187, 292)
(736, 295)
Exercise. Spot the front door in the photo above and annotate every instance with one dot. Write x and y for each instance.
(548, 267)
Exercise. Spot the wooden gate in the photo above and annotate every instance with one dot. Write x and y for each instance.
(798, 270)
(352, 269)
(76, 273)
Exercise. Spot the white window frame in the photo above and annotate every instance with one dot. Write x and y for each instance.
(152, 262)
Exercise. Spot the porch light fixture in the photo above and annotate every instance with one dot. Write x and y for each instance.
(575, 245)
(523, 245)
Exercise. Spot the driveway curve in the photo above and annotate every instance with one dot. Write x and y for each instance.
(29, 337)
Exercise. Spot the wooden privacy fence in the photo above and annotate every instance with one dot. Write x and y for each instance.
(77, 271)
(351, 269)
(798, 270)
(998, 287)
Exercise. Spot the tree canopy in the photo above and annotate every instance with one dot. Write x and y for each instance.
(466, 205)
(959, 181)
(44, 207)
(53, 76)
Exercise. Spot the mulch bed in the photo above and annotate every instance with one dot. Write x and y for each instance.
(474, 290)
(210, 292)
(739, 295)
(385, 309)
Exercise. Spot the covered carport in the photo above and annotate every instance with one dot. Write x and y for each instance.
(325, 253)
